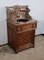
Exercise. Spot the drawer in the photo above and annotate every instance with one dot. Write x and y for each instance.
(26, 27)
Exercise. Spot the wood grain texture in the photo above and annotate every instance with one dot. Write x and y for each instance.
(20, 40)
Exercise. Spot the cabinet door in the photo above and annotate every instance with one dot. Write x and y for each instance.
(25, 37)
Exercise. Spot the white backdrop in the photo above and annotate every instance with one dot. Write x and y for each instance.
(37, 12)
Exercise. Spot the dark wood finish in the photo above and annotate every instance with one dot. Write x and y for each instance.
(21, 32)
(21, 37)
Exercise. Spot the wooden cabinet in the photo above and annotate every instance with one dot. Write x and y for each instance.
(21, 29)
(21, 37)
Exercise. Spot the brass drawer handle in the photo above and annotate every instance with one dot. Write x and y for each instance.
(20, 29)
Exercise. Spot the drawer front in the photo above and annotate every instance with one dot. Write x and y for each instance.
(26, 27)
(23, 28)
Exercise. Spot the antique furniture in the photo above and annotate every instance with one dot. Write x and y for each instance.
(21, 28)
